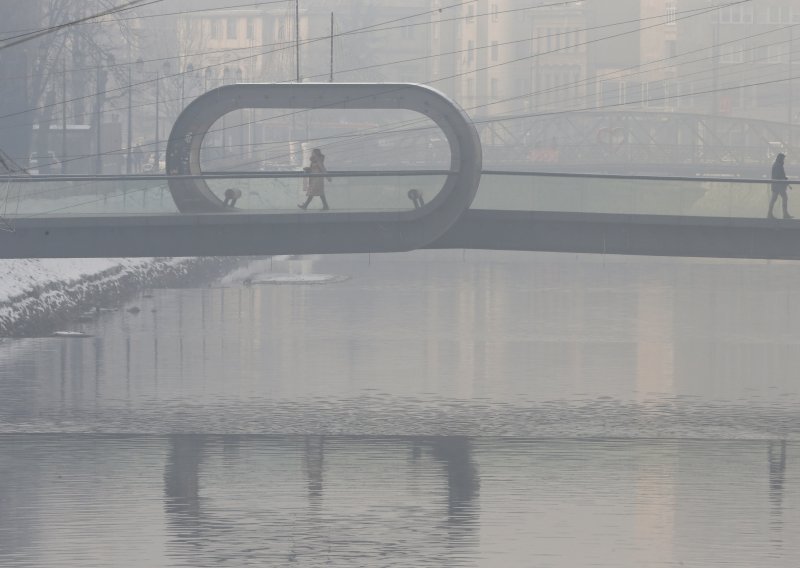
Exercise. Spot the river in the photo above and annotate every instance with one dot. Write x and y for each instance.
(474, 409)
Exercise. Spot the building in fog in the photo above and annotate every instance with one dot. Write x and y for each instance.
(508, 56)
(744, 59)
(237, 45)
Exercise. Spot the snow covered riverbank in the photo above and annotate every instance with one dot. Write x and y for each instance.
(38, 294)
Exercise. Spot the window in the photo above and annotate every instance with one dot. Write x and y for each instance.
(671, 12)
(738, 14)
(470, 14)
(672, 94)
(633, 93)
(216, 29)
(777, 54)
(781, 15)
(408, 32)
(231, 28)
(656, 93)
(495, 51)
(251, 28)
(686, 95)
(731, 54)
(672, 48)
(495, 15)
(774, 15)
(609, 93)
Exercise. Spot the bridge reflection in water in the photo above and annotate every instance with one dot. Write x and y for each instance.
(57, 216)
(202, 530)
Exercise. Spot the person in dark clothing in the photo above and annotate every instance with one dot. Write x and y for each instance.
(779, 188)
(232, 195)
(316, 185)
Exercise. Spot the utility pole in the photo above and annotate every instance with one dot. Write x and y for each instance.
(715, 71)
(292, 147)
(331, 77)
(129, 165)
(157, 165)
(297, 36)
(791, 89)
(101, 86)
(64, 116)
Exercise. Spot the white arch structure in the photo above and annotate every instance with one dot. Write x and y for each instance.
(390, 231)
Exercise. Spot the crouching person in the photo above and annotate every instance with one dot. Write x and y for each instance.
(232, 196)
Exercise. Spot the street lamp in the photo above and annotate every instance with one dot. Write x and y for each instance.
(138, 64)
(102, 76)
(189, 70)
(167, 68)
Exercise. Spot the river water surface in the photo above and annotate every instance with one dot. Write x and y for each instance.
(424, 409)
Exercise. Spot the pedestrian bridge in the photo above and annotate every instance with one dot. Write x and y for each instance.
(184, 213)
(118, 216)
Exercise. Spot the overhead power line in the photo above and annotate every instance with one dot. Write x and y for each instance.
(504, 63)
(22, 38)
(161, 15)
(377, 27)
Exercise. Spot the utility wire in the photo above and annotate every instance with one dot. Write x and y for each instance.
(690, 12)
(587, 42)
(287, 45)
(22, 38)
(693, 13)
(161, 15)
(564, 86)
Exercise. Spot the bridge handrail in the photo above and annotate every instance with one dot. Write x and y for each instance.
(374, 173)
(225, 175)
(702, 178)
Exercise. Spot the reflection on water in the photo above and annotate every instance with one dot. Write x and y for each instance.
(776, 455)
(434, 409)
(431, 344)
(205, 521)
(199, 500)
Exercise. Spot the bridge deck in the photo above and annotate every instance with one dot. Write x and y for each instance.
(628, 215)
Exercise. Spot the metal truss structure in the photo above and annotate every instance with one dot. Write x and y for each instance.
(621, 139)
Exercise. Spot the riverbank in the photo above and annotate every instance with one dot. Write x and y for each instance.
(38, 296)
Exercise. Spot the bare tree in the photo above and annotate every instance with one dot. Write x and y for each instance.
(35, 88)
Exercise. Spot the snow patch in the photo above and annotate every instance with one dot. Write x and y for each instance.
(274, 278)
(70, 334)
(37, 293)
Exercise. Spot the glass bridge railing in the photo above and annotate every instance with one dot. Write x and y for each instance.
(37, 196)
(630, 195)
(70, 196)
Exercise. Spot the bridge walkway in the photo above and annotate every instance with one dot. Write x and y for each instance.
(107, 216)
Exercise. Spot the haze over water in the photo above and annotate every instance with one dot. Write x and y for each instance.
(428, 409)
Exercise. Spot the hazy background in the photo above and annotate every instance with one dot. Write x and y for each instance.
(656, 86)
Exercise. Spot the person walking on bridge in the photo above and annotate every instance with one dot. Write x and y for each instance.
(779, 188)
(316, 185)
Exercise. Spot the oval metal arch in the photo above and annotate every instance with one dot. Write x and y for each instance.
(342, 231)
